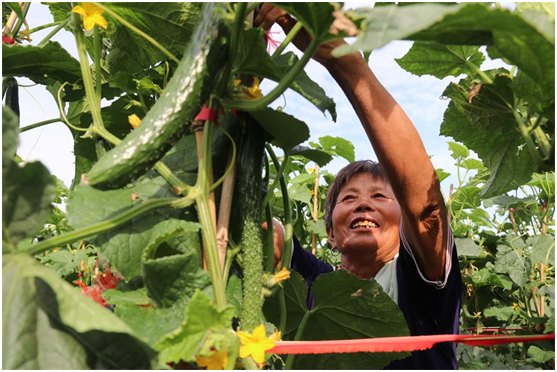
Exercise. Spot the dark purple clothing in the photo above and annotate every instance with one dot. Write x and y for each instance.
(427, 309)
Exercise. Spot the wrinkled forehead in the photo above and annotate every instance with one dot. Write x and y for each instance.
(373, 181)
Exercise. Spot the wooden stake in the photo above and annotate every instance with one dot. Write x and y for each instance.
(315, 208)
(225, 208)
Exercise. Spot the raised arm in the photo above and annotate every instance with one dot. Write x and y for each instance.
(396, 143)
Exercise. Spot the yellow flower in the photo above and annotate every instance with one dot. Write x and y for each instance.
(515, 306)
(92, 15)
(255, 344)
(215, 361)
(276, 336)
(280, 276)
(249, 93)
(134, 120)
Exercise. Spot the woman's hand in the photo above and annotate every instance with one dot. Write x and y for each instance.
(268, 15)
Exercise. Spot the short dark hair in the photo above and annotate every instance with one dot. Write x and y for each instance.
(343, 176)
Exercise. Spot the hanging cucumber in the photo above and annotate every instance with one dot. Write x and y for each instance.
(12, 95)
(247, 201)
(178, 105)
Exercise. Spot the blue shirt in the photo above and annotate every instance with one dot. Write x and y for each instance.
(429, 307)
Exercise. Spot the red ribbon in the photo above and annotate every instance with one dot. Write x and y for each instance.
(394, 344)
(208, 114)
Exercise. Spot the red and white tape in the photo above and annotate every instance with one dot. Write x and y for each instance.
(395, 344)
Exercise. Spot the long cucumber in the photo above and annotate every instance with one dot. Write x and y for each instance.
(177, 107)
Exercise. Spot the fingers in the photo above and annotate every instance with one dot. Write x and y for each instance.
(268, 14)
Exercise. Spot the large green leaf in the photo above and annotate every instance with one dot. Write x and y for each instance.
(171, 25)
(43, 65)
(345, 307)
(286, 130)
(526, 39)
(316, 17)
(467, 247)
(253, 59)
(543, 249)
(123, 246)
(338, 146)
(202, 320)
(487, 126)
(149, 322)
(172, 277)
(51, 325)
(27, 194)
(511, 260)
(441, 60)
(321, 157)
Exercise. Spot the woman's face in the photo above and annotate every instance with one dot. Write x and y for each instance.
(366, 216)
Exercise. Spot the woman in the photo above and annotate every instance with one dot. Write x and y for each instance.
(388, 221)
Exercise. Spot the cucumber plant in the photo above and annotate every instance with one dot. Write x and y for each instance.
(145, 211)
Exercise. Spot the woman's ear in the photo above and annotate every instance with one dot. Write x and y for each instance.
(331, 236)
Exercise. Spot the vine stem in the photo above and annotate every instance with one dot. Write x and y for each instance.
(529, 142)
(299, 333)
(19, 22)
(280, 171)
(286, 81)
(291, 35)
(482, 74)
(205, 216)
(94, 104)
(39, 124)
(111, 223)
(288, 229)
(42, 27)
(138, 31)
(60, 26)
(97, 62)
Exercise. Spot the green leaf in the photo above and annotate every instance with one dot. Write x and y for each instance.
(487, 127)
(347, 307)
(234, 294)
(467, 247)
(502, 313)
(316, 17)
(171, 278)
(542, 249)
(305, 178)
(43, 65)
(150, 323)
(65, 262)
(202, 319)
(472, 164)
(387, 23)
(40, 304)
(253, 59)
(10, 132)
(300, 193)
(338, 146)
(441, 60)
(466, 197)
(171, 25)
(441, 174)
(286, 129)
(458, 151)
(123, 246)
(27, 194)
(510, 261)
(316, 227)
(539, 355)
(322, 158)
(295, 293)
(540, 101)
(486, 278)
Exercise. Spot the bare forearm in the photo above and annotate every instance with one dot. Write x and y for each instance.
(394, 138)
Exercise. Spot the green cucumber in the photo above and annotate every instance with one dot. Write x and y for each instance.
(247, 201)
(177, 107)
(12, 95)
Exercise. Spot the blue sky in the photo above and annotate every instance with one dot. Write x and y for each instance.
(418, 96)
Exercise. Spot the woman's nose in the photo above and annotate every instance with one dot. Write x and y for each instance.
(364, 204)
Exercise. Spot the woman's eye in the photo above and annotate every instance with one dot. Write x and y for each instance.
(348, 197)
(379, 196)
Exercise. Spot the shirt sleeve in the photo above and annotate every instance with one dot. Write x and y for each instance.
(305, 263)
